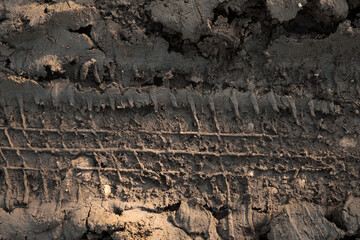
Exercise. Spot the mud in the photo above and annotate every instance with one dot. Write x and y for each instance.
(179, 119)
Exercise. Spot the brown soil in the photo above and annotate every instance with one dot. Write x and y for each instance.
(151, 119)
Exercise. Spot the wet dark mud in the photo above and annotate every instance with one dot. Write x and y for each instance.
(179, 119)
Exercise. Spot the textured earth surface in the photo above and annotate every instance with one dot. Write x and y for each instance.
(180, 119)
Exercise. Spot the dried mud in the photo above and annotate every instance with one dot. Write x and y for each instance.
(150, 119)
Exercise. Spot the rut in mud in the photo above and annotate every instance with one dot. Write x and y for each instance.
(179, 119)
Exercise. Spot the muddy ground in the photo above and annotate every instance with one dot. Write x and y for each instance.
(180, 119)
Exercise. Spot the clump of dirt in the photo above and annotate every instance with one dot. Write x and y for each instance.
(230, 119)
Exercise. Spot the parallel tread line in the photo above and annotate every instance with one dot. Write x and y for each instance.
(211, 134)
(132, 150)
(129, 170)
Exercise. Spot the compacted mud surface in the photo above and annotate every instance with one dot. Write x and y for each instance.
(179, 119)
